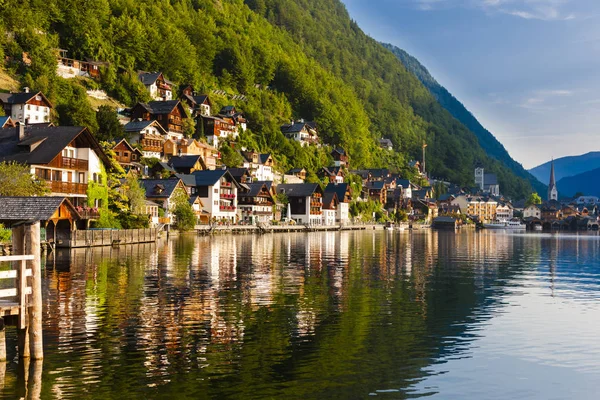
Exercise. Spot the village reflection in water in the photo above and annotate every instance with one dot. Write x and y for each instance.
(332, 314)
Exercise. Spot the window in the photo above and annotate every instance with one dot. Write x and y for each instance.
(216, 191)
(95, 177)
(117, 153)
(126, 154)
(216, 203)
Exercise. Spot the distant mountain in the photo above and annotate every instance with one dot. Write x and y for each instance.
(488, 142)
(567, 166)
(587, 183)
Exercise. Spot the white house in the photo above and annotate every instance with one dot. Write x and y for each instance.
(330, 207)
(218, 191)
(256, 203)
(156, 84)
(305, 202)
(303, 132)
(163, 192)
(150, 134)
(260, 166)
(504, 212)
(344, 197)
(532, 211)
(26, 107)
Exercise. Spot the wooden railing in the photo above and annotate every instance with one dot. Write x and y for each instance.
(74, 163)
(17, 295)
(68, 187)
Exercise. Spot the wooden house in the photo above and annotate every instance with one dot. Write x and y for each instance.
(159, 88)
(169, 114)
(149, 134)
(305, 200)
(128, 156)
(256, 204)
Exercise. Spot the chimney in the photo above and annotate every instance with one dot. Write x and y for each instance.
(26, 89)
(20, 128)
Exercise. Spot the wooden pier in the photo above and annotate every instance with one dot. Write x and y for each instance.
(244, 229)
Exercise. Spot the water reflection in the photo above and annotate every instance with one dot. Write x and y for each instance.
(316, 315)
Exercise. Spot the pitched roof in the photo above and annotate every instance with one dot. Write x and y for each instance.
(206, 178)
(255, 188)
(298, 189)
(21, 98)
(159, 188)
(339, 189)
(490, 179)
(377, 185)
(6, 121)
(162, 107)
(148, 78)
(137, 126)
(295, 171)
(31, 208)
(11, 149)
(330, 200)
(186, 161)
(295, 127)
(238, 173)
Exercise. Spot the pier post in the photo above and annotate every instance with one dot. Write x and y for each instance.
(22, 333)
(2, 342)
(32, 246)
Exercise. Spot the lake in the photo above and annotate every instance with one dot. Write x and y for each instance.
(331, 315)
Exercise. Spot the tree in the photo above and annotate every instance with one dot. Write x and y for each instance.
(185, 216)
(533, 198)
(230, 157)
(135, 194)
(109, 127)
(16, 180)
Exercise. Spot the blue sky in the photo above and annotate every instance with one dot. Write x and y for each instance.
(529, 70)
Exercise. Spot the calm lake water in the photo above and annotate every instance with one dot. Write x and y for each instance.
(392, 315)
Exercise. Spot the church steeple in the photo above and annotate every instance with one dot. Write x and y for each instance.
(552, 191)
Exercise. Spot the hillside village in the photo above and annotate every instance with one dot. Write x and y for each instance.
(178, 146)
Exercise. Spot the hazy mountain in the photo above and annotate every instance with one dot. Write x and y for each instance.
(587, 183)
(567, 166)
(486, 139)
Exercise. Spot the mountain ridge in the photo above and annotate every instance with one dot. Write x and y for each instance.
(568, 166)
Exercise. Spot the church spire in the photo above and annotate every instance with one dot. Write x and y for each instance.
(552, 191)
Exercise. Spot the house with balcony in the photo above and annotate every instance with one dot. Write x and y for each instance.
(344, 197)
(159, 88)
(217, 129)
(377, 191)
(256, 204)
(299, 173)
(67, 157)
(164, 192)
(260, 165)
(186, 164)
(303, 132)
(340, 157)
(330, 207)
(235, 117)
(128, 156)
(169, 114)
(149, 134)
(305, 200)
(26, 107)
(197, 104)
(482, 208)
(332, 174)
(217, 190)
(70, 68)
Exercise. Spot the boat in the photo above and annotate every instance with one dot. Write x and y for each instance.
(510, 224)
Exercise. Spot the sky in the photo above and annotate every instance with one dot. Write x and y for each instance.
(529, 70)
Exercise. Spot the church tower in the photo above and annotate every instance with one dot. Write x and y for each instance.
(479, 176)
(552, 191)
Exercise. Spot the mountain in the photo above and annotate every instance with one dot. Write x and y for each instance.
(486, 139)
(567, 166)
(289, 59)
(587, 183)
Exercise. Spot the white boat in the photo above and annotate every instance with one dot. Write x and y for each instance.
(512, 224)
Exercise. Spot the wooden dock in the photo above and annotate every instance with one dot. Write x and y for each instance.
(261, 229)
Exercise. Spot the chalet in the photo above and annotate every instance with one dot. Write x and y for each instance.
(298, 172)
(340, 157)
(163, 192)
(407, 187)
(149, 134)
(386, 144)
(209, 154)
(303, 132)
(159, 88)
(7, 122)
(330, 207)
(233, 116)
(202, 215)
(71, 68)
(170, 148)
(196, 104)
(189, 147)
(551, 211)
(425, 210)
(218, 191)
(67, 157)
(128, 156)
(424, 193)
(504, 212)
(241, 175)
(186, 164)
(26, 107)
(217, 129)
(332, 174)
(256, 204)
(305, 201)
(260, 165)
(377, 191)
(169, 114)
(344, 196)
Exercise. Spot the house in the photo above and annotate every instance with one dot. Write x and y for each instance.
(484, 209)
(164, 193)
(209, 154)
(303, 132)
(300, 173)
(159, 88)
(71, 68)
(551, 211)
(170, 148)
(260, 165)
(386, 144)
(217, 190)
(26, 107)
(169, 114)
(151, 210)
(217, 129)
(305, 200)
(256, 204)
(186, 164)
(233, 116)
(332, 174)
(377, 191)
(504, 212)
(241, 175)
(344, 196)
(7, 122)
(188, 146)
(67, 157)
(149, 134)
(330, 207)
(340, 157)
(128, 156)
(202, 216)
(196, 104)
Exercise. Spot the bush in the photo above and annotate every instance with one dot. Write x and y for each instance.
(5, 234)
(133, 221)
(186, 218)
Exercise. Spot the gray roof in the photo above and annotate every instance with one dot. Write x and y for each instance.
(19, 98)
(4, 120)
(148, 78)
(295, 127)
(206, 178)
(162, 107)
(31, 208)
(151, 185)
(377, 185)
(255, 188)
(186, 161)
(11, 149)
(490, 179)
(137, 126)
(298, 189)
(339, 189)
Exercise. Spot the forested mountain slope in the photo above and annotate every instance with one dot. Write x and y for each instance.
(488, 142)
(290, 58)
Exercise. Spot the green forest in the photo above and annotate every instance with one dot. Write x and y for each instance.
(290, 58)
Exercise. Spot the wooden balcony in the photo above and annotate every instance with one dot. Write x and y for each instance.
(68, 187)
(69, 163)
